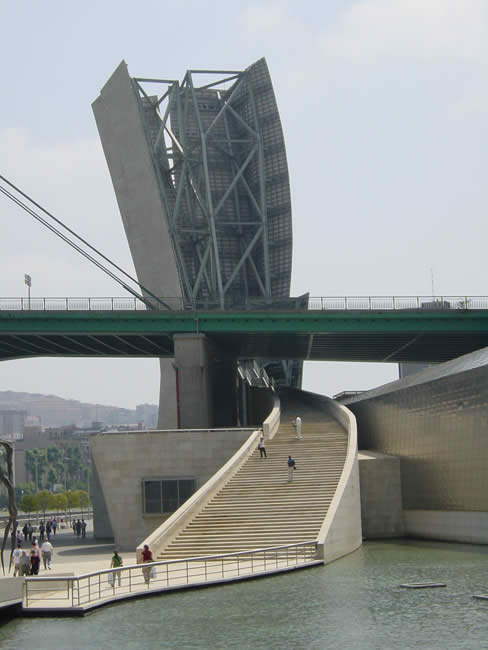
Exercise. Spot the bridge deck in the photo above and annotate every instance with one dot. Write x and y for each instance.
(359, 335)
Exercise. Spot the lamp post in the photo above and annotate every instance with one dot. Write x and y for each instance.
(28, 283)
(65, 459)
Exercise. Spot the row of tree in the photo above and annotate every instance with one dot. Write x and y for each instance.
(57, 466)
(45, 501)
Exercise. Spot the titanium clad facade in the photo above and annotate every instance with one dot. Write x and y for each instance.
(436, 422)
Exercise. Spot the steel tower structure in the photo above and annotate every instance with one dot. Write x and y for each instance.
(219, 156)
(200, 174)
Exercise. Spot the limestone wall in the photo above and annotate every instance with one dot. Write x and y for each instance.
(123, 460)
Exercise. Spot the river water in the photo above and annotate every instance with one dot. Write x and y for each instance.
(355, 602)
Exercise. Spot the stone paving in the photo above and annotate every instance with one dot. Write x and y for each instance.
(79, 555)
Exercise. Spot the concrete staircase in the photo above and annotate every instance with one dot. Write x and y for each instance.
(258, 508)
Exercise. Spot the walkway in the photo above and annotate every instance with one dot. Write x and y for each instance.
(76, 555)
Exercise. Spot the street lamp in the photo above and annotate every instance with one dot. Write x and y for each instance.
(28, 283)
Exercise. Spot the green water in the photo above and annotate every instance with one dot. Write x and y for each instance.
(353, 603)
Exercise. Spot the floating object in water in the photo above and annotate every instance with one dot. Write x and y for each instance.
(481, 596)
(424, 585)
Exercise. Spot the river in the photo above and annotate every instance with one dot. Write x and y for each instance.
(355, 602)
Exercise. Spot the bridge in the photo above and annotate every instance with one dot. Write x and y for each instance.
(382, 329)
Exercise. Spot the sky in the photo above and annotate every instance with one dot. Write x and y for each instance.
(383, 106)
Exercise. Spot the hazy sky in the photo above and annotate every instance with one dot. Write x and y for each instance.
(383, 106)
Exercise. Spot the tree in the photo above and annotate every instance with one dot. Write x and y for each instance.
(74, 459)
(51, 477)
(83, 500)
(73, 501)
(7, 478)
(35, 463)
(54, 455)
(60, 502)
(23, 488)
(45, 500)
(28, 503)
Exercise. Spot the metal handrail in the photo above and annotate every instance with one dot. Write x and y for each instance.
(107, 584)
(330, 303)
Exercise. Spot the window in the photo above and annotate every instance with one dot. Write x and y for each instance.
(166, 495)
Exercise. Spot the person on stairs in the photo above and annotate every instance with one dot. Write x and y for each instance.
(291, 469)
(261, 447)
(297, 425)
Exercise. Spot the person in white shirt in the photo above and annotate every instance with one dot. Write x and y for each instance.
(47, 552)
(15, 560)
(297, 423)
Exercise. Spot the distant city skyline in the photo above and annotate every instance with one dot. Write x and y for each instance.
(56, 411)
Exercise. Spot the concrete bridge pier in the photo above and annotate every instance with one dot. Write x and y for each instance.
(205, 384)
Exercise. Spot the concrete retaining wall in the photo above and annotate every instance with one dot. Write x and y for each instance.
(123, 460)
(381, 495)
(11, 594)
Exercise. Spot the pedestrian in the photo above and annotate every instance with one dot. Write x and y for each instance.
(42, 529)
(297, 424)
(35, 558)
(15, 559)
(147, 557)
(24, 563)
(48, 531)
(54, 525)
(261, 447)
(74, 527)
(25, 532)
(291, 468)
(19, 537)
(31, 531)
(78, 528)
(47, 553)
(83, 528)
(115, 564)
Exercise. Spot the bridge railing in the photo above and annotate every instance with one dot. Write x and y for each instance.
(329, 303)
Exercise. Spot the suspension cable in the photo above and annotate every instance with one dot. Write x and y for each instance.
(74, 245)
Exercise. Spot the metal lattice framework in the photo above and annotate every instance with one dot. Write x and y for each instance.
(219, 155)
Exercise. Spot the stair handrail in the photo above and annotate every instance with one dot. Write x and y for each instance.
(272, 422)
(200, 498)
(340, 532)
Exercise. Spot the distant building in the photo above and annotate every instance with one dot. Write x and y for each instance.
(12, 423)
(147, 413)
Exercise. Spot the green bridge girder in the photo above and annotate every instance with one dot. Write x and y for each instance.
(403, 335)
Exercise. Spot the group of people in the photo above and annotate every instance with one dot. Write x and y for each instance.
(28, 563)
(46, 529)
(297, 425)
(79, 528)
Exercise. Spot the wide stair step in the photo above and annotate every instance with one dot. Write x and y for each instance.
(258, 508)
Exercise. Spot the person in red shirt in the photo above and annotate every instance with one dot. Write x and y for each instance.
(147, 557)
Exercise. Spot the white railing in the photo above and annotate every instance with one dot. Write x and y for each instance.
(160, 537)
(304, 303)
(272, 422)
(92, 588)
